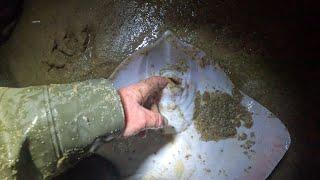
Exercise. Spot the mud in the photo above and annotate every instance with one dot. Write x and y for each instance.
(217, 115)
(248, 144)
(180, 66)
(242, 136)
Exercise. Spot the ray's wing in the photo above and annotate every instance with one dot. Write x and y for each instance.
(185, 155)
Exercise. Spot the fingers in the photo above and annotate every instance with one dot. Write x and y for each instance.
(150, 86)
(153, 119)
(134, 97)
(156, 82)
(155, 108)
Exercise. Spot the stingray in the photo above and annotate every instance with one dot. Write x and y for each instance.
(182, 153)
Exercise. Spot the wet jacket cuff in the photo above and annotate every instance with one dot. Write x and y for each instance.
(83, 112)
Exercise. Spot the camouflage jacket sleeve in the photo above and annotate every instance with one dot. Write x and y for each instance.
(45, 129)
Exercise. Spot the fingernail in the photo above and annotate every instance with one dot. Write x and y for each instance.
(165, 121)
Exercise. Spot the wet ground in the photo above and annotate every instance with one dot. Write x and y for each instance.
(256, 43)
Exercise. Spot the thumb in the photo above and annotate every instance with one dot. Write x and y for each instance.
(153, 119)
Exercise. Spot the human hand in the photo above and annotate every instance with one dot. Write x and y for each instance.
(134, 97)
